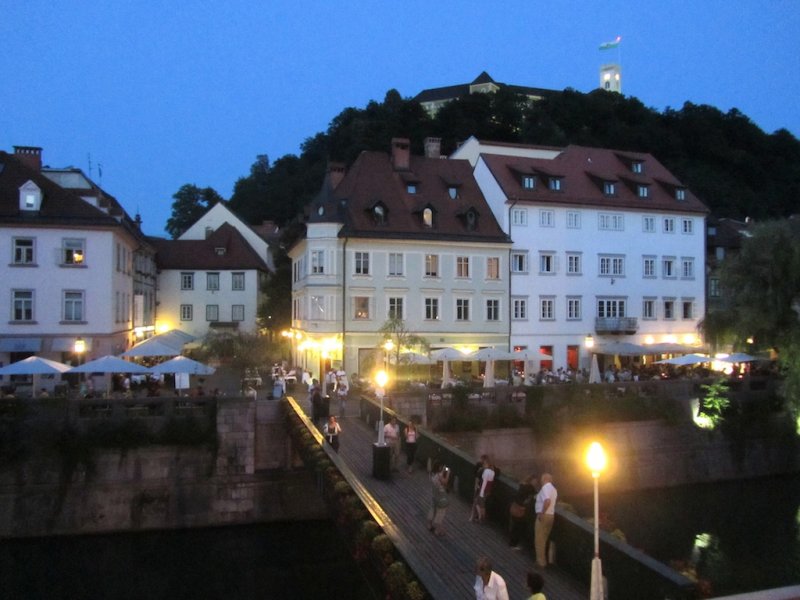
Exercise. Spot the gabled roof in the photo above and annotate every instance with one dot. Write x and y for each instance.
(61, 206)
(451, 92)
(235, 253)
(373, 181)
(583, 170)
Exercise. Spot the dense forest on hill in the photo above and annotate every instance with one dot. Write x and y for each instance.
(737, 169)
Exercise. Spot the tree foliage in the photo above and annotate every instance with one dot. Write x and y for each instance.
(191, 203)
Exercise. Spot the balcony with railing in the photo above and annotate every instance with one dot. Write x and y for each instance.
(616, 325)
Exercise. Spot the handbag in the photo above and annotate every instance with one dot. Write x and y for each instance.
(517, 510)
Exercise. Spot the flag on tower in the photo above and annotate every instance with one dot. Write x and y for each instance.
(610, 45)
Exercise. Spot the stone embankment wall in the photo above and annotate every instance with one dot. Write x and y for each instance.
(642, 455)
(164, 487)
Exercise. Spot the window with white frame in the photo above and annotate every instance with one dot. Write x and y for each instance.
(73, 306)
(431, 309)
(395, 308)
(687, 268)
(462, 266)
(669, 225)
(237, 281)
(519, 217)
(519, 262)
(24, 251)
(554, 184)
(22, 305)
(610, 308)
(612, 266)
(642, 190)
(648, 308)
(610, 222)
(492, 309)
(680, 194)
(609, 188)
(237, 312)
(361, 308)
(187, 281)
(519, 307)
(687, 308)
(528, 182)
(547, 310)
(668, 267)
(73, 251)
(669, 309)
(212, 281)
(212, 312)
(573, 219)
(637, 166)
(687, 226)
(649, 224)
(317, 308)
(427, 217)
(547, 218)
(493, 267)
(431, 265)
(573, 308)
(649, 267)
(574, 264)
(395, 264)
(547, 263)
(462, 309)
(317, 262)
(361, 265)
(187, 312)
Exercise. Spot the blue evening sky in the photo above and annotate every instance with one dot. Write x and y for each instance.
(162, 93)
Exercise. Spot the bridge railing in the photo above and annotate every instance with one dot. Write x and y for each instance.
(631, 574)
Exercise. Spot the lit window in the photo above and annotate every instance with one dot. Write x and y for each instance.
(361, 307)
(73, 251)
(427, 217)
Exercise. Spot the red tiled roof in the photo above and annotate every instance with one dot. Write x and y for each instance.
(372, 181)
(583, 170)
(204, 254)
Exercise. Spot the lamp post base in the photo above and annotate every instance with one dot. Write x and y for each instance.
(596, 591)
(381, 461)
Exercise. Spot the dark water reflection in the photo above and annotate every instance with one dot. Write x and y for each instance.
(740, 536)
(286, 560)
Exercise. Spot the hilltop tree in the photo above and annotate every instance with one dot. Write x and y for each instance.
(191, 203)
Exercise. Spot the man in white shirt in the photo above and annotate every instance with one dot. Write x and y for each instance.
(391, 436)
(545, 515)
(488, 584)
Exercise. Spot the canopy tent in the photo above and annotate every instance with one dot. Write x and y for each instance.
(685, 360)
(33, 366)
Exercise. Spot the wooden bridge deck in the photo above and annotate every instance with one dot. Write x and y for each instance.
(450, 560)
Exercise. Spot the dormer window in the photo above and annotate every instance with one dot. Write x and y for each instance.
(452, 191)
(411, 188)
(472, 219)
(637, 166)
(427, 217)
(528, 182)
(643, 191)
(30, 197)
(219, 251)
(609, 188)
(680, 194)
(380, 214)
(554, 183)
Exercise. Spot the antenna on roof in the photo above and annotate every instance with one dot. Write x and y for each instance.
(89, 158)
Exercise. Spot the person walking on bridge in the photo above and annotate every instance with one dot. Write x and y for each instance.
(545, 515)
(488, 584)
(440, 478)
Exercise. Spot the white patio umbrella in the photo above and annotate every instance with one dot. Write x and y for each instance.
(490, 355)
(686, 360)
(33, 366)
(153, 347)
(183, 364)
(109, 364)
(669, 348)
(446, 355)
(736, 357)
(529, 355)
(594, 372)
(621, 349)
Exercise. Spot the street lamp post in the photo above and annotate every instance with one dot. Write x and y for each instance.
(381, 453)
(596, 460)
(381, 379)
(79, 347)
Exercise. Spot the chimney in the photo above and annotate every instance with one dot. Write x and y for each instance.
(30, 156)
(401, 154)
(433, 147)
(335, 174)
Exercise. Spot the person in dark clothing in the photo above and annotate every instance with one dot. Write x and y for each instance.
(520, 510)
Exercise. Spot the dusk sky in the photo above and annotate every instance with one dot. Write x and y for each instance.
(166, 93)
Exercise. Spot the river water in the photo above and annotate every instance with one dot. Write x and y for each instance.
(283, 560)
(739, 536)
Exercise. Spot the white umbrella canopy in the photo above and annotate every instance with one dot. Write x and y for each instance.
(736, 357)
(153, 347)
(594, 372)
(110, 364)
(183, 364)
(621, 349)
(488, 354)
(670, 348)
(686, 360)
(446, 355)
(35, 365)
